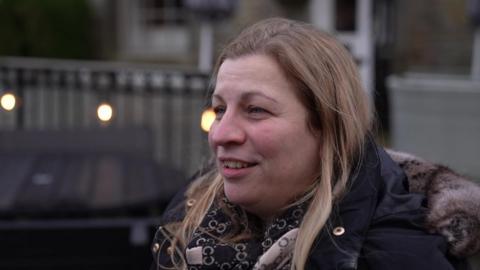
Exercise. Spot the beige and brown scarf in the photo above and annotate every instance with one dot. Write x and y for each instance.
(270, 248)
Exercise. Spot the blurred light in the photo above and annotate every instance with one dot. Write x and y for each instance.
(105, 112)
(208, 116)
(8, 101)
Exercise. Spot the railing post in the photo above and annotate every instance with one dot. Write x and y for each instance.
(21, 97)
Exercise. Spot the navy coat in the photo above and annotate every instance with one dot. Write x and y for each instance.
(382, 225)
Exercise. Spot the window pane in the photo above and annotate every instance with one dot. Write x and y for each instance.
(345, 15)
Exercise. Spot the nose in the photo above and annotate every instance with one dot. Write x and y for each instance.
(226, 131)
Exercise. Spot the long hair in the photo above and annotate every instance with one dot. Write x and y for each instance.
(328, 85)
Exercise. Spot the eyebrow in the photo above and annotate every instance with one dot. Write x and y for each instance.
(248, 95)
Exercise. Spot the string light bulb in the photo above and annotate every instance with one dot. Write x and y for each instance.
(105, 112)
(8, 101)
(208, 116)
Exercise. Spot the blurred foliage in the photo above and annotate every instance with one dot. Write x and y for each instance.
(46, 28)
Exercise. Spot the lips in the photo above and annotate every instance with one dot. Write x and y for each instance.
(233, 164)
(234, 168)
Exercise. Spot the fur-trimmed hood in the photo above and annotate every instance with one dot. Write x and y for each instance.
(453, 201)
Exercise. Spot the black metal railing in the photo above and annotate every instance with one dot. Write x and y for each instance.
(64, 95)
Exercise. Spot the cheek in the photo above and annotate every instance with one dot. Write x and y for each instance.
(267, 140)
(291, 145)
(276, 146)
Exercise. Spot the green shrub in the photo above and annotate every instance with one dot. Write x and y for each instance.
(46, 28)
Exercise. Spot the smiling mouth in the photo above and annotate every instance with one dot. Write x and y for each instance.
(236, 164)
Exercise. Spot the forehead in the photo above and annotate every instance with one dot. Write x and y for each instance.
(249, 65)
(252, 73)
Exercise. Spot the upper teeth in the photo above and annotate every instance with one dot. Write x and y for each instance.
(234, 164)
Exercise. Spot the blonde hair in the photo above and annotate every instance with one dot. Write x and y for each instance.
(329, 86)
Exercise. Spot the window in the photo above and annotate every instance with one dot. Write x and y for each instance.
(345, 15)
(156, 13)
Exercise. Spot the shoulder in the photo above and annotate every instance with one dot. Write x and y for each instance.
(453, 201)
(376, 190)
(175, 211)
(173, 214)
(398, 233)
(383, 224)
(185, 197)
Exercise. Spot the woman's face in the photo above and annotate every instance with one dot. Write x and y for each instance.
(264, 149)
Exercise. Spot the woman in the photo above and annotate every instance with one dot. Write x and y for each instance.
(298, 183)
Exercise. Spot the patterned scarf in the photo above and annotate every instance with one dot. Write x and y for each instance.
(270, 248)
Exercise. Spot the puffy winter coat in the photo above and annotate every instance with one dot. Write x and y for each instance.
(379, 224)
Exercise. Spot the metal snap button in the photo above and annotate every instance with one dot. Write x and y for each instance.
(156, 247)
(337, 231)
(170, 250)
(191, 202)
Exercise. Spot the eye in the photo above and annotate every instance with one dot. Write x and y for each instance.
(253, 109)
(219, 111)
(256, 111)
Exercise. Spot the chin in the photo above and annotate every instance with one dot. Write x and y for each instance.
(236, 196)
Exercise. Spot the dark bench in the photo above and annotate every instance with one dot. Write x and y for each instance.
(80, 199)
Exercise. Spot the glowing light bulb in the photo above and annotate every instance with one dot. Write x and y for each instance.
(8, 101)
(105, 112)
(208, 116)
